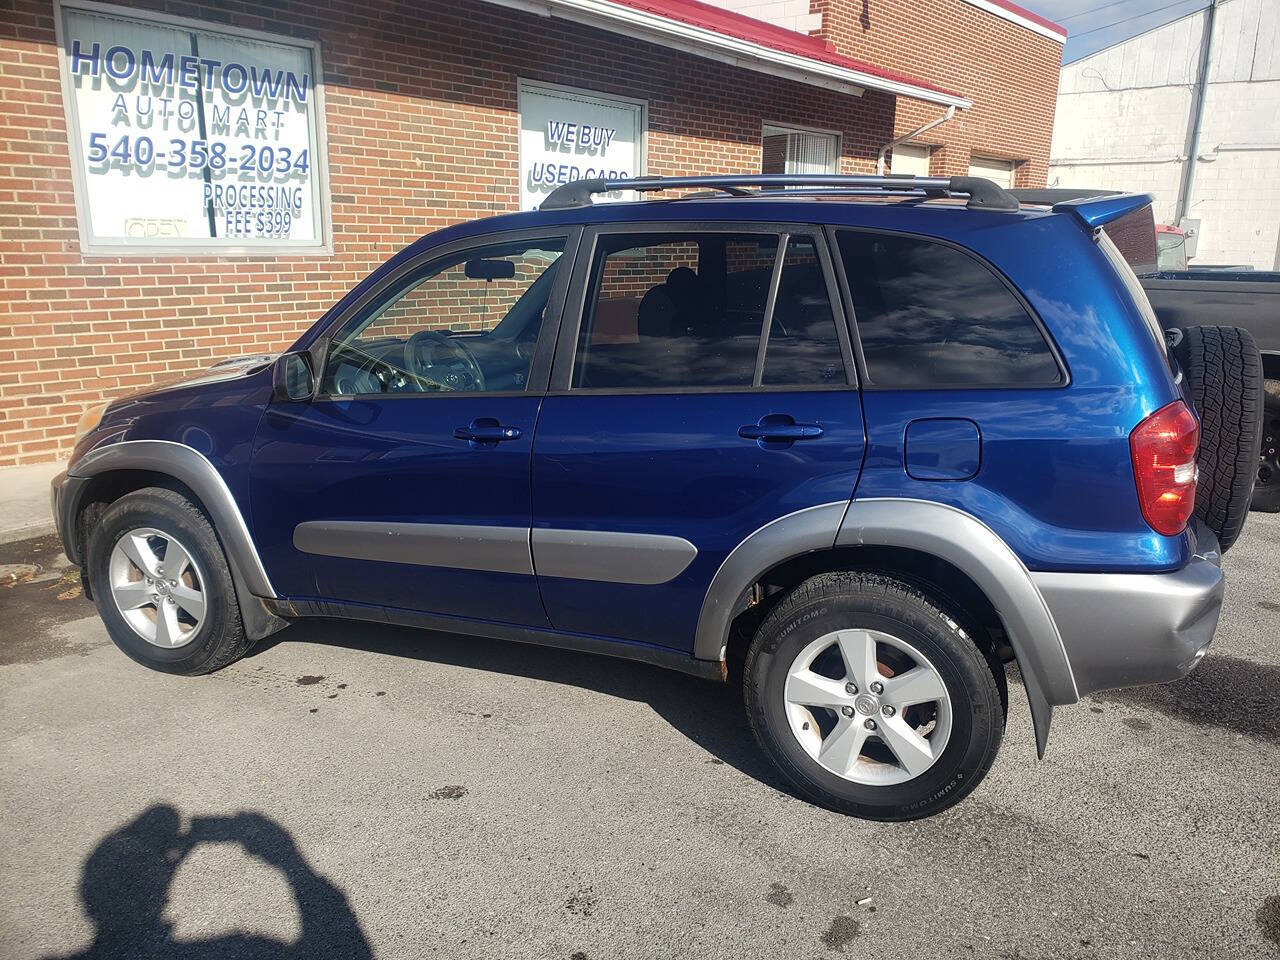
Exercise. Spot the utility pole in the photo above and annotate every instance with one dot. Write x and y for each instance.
(1197, 113)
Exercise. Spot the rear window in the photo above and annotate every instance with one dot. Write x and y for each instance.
(930, 315)
(1131, 282)
(1134, 235)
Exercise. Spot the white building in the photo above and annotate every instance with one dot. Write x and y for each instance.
(1126, 120)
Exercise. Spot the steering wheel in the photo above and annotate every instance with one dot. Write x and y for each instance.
(436, 358)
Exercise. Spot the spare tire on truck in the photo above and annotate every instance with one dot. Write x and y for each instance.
(1224, 374)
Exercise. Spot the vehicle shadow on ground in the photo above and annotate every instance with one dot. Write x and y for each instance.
(1232, 693)
(708, 713)
(125, 883)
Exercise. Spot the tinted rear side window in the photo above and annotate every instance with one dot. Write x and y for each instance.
(930, 315)
(675, 311)
(690, 310)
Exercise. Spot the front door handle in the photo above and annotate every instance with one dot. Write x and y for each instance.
(486, 432)
(779, 429)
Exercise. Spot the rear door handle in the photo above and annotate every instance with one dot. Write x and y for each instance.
(779, 428)
(485, 431)
(780, 431)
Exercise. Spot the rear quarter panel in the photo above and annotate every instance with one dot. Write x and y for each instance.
(1055, 480)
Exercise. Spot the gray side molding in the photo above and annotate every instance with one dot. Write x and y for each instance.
(188, 465)
(602, 555)
(611, 557)
(974, 548)
(462, 546)
(804, 531)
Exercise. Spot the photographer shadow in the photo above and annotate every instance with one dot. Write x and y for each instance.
(126, 880)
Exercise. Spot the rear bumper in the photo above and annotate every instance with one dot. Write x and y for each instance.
(1126, 629)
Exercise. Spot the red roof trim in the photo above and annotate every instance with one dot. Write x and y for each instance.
(1029, 15)
(741, 27)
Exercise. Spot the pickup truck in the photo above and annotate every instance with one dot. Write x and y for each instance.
(1203, 297)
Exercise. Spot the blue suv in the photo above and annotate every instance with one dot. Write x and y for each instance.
(856, 443)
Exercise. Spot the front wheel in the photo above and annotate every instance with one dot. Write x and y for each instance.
(162, 584)
(870, 698)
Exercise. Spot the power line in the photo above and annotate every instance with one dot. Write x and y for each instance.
(1136, 16)
(1085, 13)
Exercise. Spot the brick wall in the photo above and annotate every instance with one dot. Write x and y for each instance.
(422, 126)
(1009, 72)
(422, 123)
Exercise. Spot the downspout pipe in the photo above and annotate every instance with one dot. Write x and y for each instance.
(1187, 183)
(951, 112)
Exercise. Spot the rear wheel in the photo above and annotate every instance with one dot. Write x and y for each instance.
(871, 699)
(1266, 491)
(162, 584)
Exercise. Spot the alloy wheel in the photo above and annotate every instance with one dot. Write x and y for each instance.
(868, 706)
(157, 587)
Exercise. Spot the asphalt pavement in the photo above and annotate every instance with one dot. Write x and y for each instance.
(356, 790)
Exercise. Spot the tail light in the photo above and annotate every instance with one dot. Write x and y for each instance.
(1163, 448)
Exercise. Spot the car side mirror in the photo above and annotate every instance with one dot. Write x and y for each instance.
(294, 380)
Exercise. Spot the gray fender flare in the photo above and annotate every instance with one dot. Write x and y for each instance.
(972, 547)
(192, 468)
(933, 528)
(804, 531)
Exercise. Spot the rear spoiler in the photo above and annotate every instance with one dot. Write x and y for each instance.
(1094, 208)
(1096, 212)
(1129, 218)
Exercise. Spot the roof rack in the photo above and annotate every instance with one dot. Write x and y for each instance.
(983, 194)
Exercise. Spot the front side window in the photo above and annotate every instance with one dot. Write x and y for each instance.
(680, 311)
(469, 323)
(931, 315)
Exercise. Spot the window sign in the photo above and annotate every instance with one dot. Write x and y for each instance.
(188, 138)
(568, 135)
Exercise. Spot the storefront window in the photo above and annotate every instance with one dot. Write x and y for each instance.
(190, 137)
(795, 150)
(568, 134)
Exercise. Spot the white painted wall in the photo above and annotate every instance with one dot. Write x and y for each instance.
(999, 172)
(790, 14)
(1122, 122)
(912, 158)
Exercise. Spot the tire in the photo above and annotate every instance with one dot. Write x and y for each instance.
(875, 784)
(1266, 490)
(200, 630)
(1224, 372)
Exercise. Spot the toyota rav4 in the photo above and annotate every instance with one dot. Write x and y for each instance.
(856, 443)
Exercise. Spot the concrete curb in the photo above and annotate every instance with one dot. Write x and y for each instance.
(28, 532)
